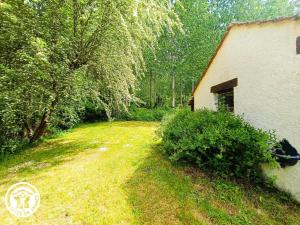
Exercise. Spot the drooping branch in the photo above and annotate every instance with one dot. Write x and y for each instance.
(88, 48)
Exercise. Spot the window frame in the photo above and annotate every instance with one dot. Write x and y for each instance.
(228, 99)
(298, 45)
(223, 88)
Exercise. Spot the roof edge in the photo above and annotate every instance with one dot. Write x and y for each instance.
(278, 19)
(233, 24)
(212, 59)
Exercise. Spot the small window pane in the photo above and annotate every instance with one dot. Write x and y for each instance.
(226, 100)
(298, 45)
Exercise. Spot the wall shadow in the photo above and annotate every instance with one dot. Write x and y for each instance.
(164, 193)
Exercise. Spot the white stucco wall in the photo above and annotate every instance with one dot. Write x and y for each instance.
(263, 58)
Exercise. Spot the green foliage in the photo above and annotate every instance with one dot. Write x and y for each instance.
(57, 55)
(94, 112)
(144, 114)
(133, 182)
(66, 61)
(181, 54)
(219, 141)
(185, 55)
(249, 10)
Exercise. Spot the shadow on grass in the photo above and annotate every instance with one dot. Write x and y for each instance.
(136, 123)
(164, 193)
(57, 150)
(43, 155)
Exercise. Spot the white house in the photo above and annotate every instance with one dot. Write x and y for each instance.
(257, 70)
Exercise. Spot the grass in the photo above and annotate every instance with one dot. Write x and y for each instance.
(145, 114)
(113, 173)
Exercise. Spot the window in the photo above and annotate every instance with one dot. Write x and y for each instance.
(298, 45)
(226, 99)
(225, 94)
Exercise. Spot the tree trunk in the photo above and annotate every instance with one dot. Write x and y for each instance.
(154, 91)
(181, 92)
(150, 90)
(173, 92)
(28, 130)
(41, 128)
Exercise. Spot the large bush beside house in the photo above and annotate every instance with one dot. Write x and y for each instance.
(219, 141)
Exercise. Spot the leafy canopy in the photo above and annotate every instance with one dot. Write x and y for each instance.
(57, 54)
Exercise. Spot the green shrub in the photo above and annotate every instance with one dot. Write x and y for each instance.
(144, 114)
(219, 141)
(94, 112)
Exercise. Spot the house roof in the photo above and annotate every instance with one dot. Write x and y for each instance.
(233, 24)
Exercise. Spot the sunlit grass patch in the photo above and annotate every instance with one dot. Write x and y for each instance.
(130, 182)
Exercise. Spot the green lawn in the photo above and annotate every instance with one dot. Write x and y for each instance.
(113, 173)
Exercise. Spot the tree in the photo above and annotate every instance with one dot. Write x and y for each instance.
(55, 54)
(239, 10)
(182, 55)
(186, 55)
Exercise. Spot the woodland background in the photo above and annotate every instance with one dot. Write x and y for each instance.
(67, 61)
